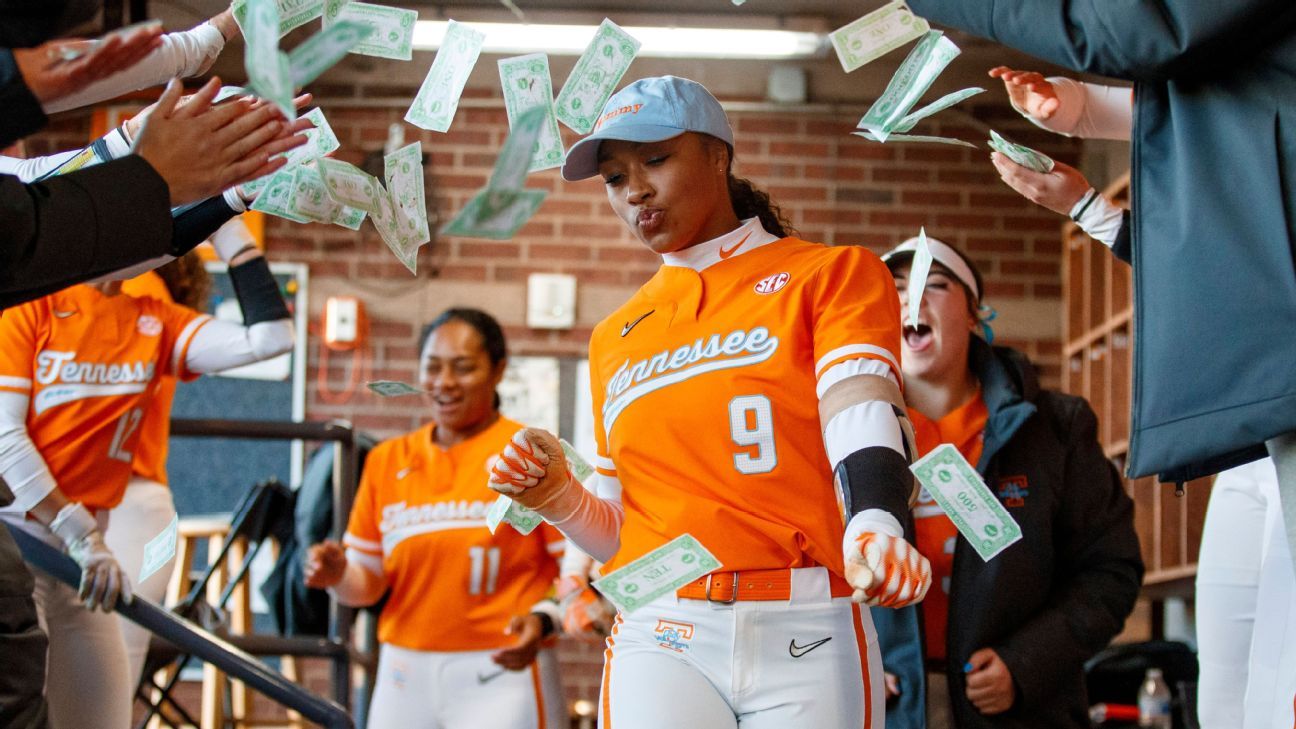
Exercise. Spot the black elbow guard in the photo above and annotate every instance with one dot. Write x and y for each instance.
(258, 293)
(875, 477)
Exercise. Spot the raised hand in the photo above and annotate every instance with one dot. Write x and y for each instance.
(59, 68)
(1029, 92)
(532, 469)
(201, 149)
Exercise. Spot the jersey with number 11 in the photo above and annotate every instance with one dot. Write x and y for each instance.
(705, 403)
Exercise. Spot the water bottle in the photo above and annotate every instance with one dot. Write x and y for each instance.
(1154, 701)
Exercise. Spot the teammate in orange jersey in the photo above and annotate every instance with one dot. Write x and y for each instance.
(78, 369)
(728, 392)
(1006, 640)
(147, 507)
(464, 626)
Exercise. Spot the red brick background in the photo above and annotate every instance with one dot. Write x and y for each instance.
(834, 187)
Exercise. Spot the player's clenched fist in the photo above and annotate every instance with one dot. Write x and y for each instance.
(885, 570)
(325, 565)
(532, 469)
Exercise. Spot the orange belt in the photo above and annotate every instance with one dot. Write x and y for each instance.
(729, 587)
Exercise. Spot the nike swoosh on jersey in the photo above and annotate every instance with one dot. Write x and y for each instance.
(796, 651)
(402, 473)
(725, 253)
(625, 329)
(63, 314)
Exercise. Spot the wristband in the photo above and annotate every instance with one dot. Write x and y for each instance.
(1085, 201)
(72, 524)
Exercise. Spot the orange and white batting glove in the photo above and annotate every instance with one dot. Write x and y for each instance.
(884, 568)
(532, 471)
(585, 615)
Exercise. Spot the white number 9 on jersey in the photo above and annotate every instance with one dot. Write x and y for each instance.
(751, 423)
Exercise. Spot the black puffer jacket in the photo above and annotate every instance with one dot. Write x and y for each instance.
(1053, 599)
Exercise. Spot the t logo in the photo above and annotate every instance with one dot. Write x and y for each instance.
(1013, 491)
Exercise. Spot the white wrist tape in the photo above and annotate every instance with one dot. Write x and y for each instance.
(72, 524)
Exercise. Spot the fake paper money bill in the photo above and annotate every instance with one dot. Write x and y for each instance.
(160, 549)
(967, 501)
(911, 119)
(514, 160)
(321, 51)
(266, 65)
(902, 138)
(495, 214)
(918, 270)
(1024, 156)
(391, 388)
(351, 185)
(438, 98)
(396, 233)
(320, 141)
(660, 572)
(527, 85)
(311, 200)
(876, 34)
(393, 28)
(595, 77)
(915, 75)
(579, 467)
(276, 197)
(506, 510)
(403, 170)
(292, 13)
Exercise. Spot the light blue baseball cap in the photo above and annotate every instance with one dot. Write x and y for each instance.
(649, 110)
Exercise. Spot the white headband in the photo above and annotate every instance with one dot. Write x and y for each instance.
(945, 255)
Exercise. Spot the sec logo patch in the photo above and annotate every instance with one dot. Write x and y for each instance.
(771, 284)
(149, 326)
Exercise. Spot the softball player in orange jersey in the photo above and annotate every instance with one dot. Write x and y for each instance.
(78, 369)
(728, 392)
(466, 610)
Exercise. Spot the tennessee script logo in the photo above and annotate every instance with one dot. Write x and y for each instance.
(739, 348)
(674, 636)
(1013, 491)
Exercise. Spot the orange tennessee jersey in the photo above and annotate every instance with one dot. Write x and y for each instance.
(705, 403)
(964, 427)
(90, 364)
(420, 519)
(155, 429)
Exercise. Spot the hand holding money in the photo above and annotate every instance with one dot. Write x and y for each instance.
(885, 570)
(532, 470)
(1029, 92)
(1058, 190)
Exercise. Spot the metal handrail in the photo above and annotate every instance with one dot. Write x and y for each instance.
(346, 475)
(193, 639)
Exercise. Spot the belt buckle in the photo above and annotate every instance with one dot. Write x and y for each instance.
(733, 595)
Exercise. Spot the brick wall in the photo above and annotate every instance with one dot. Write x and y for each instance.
(835, 188)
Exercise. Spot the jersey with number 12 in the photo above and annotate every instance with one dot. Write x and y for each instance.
(90, 365)
(705, 403)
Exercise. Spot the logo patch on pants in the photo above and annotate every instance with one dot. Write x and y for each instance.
(674, 636)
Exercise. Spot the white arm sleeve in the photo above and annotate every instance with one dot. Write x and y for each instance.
(29, 169)
(1101, 219)
(181, 55)
(594, 526)
(21, 465)
(1089, 111)
(222, 345)
(865, 424)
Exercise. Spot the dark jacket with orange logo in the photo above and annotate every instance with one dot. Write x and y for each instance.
(1050, 601)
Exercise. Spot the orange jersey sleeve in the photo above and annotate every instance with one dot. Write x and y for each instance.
(856, 311)
(419, 519)
(155, 429)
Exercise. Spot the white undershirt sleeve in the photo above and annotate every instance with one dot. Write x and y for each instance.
(1101, 219)
(31, 168)
(865, 424)
(21, 465)
(594, 526)
(1089, 111)
(222, 345)
(182, 54)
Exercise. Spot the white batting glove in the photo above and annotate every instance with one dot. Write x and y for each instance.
(532, 470)
(102, 579)
(884, 569)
